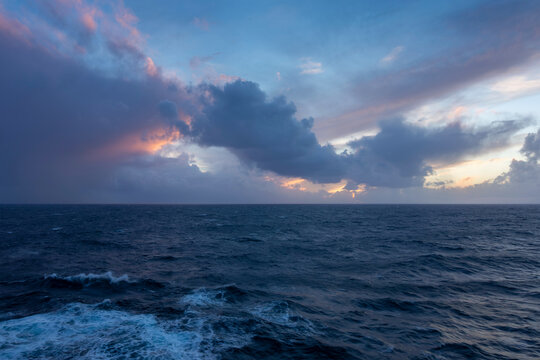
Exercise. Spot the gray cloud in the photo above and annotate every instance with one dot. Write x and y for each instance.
(60, 121)
(264, 133)
(168, 109)
(531, 147)
(152, 179)
(267, 135)
(66, 16)
(66, 132)
(399, 154)
(528, 170)
(520, 184)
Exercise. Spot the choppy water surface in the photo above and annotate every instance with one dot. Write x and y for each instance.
(270, 282)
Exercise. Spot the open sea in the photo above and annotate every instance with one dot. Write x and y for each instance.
(270, 282)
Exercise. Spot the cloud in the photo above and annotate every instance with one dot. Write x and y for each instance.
(74, 130)
(531, 147)
(520, 184)
(154, 179)
(264, 133)
(399, 155)
(197, 61)
(493, 38)
(528, 170)
(168, 109)
(516, 85)
(310, 67)
(392, 55)
(64, 125)
(78, 19)
(69, 131)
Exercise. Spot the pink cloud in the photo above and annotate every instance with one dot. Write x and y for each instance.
(89, 22)
(14, 27)
(150, 67)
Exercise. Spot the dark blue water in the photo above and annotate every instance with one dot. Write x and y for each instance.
(270, 282)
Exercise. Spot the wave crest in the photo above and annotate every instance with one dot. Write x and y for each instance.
(205, 297)
(99, 332)
(85, 279)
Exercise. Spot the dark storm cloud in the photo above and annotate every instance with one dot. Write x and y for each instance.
(494, 37)
(56, 115)
(531, 147)
(399, 154)
(520, 184)
(528, 170)
(169, 111)
(264, 133)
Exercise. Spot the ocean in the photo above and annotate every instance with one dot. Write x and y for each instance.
(269, 282)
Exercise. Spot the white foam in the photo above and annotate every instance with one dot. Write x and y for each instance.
(90, 277)
(205, 297)
(279, 313)
(274, 312)
(94, 332)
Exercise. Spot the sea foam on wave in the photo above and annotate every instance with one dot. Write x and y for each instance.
(98, 332)
(205, 297)
(90, 277)
(274, 312)
(279, 313)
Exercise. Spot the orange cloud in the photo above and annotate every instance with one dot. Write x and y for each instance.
(14, 27)
(465, 182)
(137, 143)
(292, 183)
(88, 21)
(150, 67)
(307, 186)
(127, 20)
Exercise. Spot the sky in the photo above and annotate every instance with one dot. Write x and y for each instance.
(269, 101)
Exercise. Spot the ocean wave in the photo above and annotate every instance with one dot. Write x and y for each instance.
(100, 332)
(104, 280)
(90, 278)
(204, 297)
(261, 314)
(280, 313)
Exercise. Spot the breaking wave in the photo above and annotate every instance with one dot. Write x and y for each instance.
(90, 278)
(99, 332)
